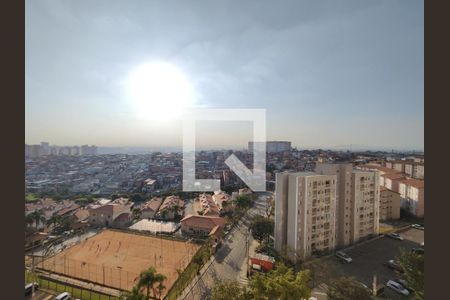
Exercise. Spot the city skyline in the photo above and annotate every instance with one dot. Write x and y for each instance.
(328, 74)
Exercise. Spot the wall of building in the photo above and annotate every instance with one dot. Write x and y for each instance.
(389, 205)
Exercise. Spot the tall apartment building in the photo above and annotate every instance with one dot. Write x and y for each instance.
(358, 201)
(273, 146)
(389, 204)
(334, 206)
(343, 174)
(365, 204)
(305, 208)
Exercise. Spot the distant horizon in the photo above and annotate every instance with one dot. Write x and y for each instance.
(326, 73)
(133, 148)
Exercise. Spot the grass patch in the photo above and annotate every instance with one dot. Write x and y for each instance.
(57, 287)
(385, 229)
(31, 197)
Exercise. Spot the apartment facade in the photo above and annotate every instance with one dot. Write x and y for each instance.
(357, 202)
(343, 222)
(412, 194)
(389, 204)
(305, 209)
(365, 205)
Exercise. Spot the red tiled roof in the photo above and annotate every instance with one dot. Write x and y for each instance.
(171, 201)
(383, 189)
(153, 204)
(420, 184)
(379, 168)
(394, 176)
(205, 222)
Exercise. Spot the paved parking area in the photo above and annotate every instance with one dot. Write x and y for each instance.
(368, 259)
(41, 295)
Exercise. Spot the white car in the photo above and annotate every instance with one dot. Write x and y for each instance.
(395, 236)
(343, 257)
(397, 287)
(418, 226)
(63, 296)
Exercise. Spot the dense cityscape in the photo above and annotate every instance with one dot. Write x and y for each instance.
(345, 198)
(224, 150)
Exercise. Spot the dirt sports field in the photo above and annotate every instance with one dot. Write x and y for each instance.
(115, 259)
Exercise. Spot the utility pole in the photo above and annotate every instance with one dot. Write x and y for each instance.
(374, 285)
(247, 246)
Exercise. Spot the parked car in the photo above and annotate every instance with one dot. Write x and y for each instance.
(63, 296)
(395, 236)
(419, 251)
(343, 257)
(29, 288)
(404, 284)
(397, 287)
(418, 226)
(393, 265)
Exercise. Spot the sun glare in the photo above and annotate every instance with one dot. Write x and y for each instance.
(159, 91)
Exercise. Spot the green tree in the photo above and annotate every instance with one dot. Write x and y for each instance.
(137, 198)
(321, 271)
(229, 290)
(261, 228)
(346, 288)
(135, 294)
(414, 271)
(280, 283)
(136, 213)
(38, 217)
(243, 202)
(148, 279)
(29, 220)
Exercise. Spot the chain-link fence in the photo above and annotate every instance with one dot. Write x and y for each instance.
(56, 287)
(104, 275)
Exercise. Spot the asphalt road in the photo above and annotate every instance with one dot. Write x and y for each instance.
(368, 259)
(229, 263)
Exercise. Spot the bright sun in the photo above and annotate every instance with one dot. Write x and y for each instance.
(159, 91)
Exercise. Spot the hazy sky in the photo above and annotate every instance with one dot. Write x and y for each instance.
(329, 73)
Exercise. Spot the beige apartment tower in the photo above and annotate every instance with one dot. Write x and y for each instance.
(389, 204)
(305, 207)
(358, 201)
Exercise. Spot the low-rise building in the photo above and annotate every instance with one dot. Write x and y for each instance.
(223, 201)
(389, 204)
(109, 215)
(150, 208)
(412, 193)
(391, 181)
(415, 170)
(200, 225)
(171, 207)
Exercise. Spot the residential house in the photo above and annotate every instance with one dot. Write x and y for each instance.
(150, 208)
(207, 206)
(201, 226)
(171, 207)
(109, 215)
(223, 201)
